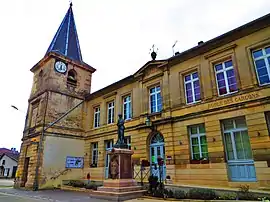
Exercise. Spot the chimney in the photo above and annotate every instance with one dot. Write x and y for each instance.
(200, 43)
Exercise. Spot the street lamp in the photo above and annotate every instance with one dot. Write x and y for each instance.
(148, 122)
(16, 108)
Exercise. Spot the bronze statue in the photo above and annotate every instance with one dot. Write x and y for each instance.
(121, 137)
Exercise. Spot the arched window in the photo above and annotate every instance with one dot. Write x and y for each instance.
(71, 79)
(157, 138)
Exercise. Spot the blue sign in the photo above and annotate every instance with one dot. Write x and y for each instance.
(74, 162)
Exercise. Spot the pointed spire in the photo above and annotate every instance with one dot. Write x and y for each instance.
(66, 41)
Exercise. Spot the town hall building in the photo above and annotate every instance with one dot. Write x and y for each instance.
(205, 111)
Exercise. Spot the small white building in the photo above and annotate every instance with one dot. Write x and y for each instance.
(8, 165)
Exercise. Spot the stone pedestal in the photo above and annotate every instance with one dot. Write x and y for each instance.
(119, 185)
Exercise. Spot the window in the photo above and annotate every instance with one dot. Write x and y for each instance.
(71, 79)
(225, 76)
(3, 162)
(236, 139)
(94, 147)
(34, 115)
(262, 63)
(111, 112)
(155, 99)
(96, 117)
(198, 141)
(192, 88)
(127, 107)
(127, 140)
(267, 117)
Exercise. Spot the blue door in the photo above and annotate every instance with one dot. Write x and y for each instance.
(238, 151)
(157, 149)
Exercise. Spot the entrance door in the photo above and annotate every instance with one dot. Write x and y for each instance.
(25, 171)
(14, 171)
(238, 151)
(108, 147)
(157, 150)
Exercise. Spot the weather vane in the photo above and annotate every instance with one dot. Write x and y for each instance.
(174, 46)
(153, 52)
(70, 2)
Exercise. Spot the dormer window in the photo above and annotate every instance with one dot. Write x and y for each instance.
(71, 79)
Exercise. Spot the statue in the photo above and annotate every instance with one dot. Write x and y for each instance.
(121, 138)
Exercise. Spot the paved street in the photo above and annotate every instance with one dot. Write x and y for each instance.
(14, 195)
(10, 194)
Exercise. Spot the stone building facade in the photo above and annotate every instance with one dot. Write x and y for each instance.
(208, 109)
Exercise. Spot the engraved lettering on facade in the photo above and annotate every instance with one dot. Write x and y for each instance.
(233, 100)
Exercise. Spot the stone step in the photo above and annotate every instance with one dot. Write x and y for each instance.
(120, 189)
(117, 196)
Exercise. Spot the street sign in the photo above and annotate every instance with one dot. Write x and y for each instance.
(74, 162)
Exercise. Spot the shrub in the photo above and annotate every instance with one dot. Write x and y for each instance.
(205, 194)
(244, 193)
(228, 196)
(179, 194)
(168, 193)
(91, 186)
(153, 183)
(157, 193)
(74, 183)
(264, 199)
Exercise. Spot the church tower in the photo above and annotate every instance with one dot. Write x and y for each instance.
(61, 81)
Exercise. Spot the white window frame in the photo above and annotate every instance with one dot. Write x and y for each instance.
(155, 93)
(97, 117)
(128, 141)
(192, 87)
(264, 57)
(197, 135)
(110, 119)
(223, 70)
(94, 148)
(127, 105)
(231, 131)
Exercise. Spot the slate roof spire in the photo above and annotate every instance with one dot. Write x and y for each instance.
(66, 41)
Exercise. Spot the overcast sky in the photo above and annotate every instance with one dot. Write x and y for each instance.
(115, 38)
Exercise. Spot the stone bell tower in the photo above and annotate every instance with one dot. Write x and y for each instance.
(61, 81)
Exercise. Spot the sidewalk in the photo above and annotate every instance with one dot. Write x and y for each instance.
(6, 182)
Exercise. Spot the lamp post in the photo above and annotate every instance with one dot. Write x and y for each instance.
(148, 122)
(16, 108)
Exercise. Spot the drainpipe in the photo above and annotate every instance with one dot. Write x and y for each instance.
(44, 129)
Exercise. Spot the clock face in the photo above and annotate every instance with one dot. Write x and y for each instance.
(60, 67)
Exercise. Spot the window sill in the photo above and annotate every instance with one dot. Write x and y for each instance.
(228, 94)
(154, 114)
(128, 120)
(193, 103)
(262, 85)
(199, 161)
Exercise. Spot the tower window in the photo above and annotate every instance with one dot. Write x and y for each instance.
(71, 79)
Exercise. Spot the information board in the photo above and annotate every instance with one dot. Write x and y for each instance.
(74, 162)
